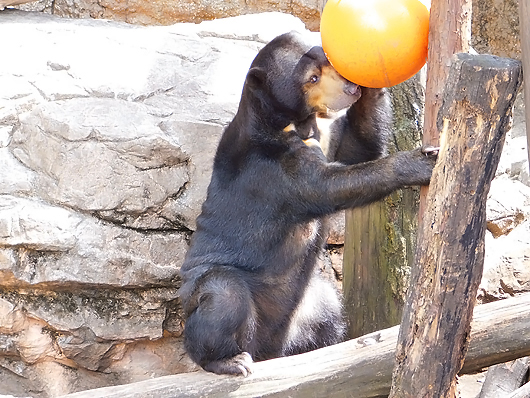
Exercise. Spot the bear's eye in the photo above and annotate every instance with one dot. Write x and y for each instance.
(314, 79)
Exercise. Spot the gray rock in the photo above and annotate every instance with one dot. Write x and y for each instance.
(514, 158)
(107, 135)
(101, 155)
(43, 244)
(495, 28)
(506, 265)
(507, 260)
(508, 205)
(5, 3)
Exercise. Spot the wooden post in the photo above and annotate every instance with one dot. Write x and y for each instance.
(473, 120)
(379, 238)
(367, 309)
(524, 29)
(369, 299)
(449, 34)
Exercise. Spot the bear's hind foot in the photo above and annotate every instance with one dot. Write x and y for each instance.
(241, 364)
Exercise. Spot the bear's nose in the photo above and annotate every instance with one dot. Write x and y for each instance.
(350, 88)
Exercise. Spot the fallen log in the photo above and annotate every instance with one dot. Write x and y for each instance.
(358, 368)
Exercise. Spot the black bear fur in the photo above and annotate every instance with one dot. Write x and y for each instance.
(251, 290)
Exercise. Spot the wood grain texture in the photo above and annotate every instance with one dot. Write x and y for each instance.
(449, 34)
(379, 239)
(359, 368)
(473, 122)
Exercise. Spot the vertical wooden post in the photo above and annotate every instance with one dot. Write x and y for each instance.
(368, 297)
(449, 33)
(379, 238)
(524, 29)
(473, 120)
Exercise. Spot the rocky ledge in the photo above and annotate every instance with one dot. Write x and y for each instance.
(107, 133)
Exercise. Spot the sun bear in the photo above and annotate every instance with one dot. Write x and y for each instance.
(250, 288)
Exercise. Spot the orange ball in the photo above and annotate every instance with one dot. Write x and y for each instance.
(375, 43)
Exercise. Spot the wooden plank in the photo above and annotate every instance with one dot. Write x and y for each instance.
(495, 334)
(474, 119)
(367, 283)
(359, 368)
(524, 29)
(449, 34)
(380, 238)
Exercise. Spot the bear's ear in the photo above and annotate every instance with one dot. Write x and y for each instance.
(256, 77)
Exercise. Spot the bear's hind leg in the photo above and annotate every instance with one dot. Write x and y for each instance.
(317, 321)
(221, 329)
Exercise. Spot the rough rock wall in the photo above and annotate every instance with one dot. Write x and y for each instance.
(166, 12)
(495, 28)
(495, 22)
(107, 134)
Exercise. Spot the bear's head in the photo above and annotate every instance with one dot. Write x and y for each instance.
(292, 79)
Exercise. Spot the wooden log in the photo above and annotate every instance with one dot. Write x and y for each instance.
(359, 368)
(524, 29)
(474, 118)
(504, 378)
(494, 336)
(379, 239)
(368, 297)
(449, 34)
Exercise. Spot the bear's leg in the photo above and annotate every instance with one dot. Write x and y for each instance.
(221, 328)
(318, 320)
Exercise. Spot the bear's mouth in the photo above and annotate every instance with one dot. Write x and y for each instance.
(351, 88)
